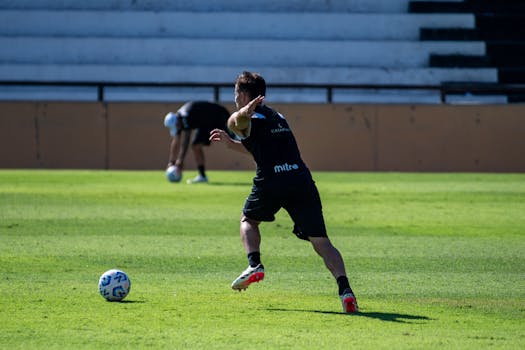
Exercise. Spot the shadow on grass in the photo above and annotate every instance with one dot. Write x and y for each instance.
(129, 302)
(219, 183)
(383, 316)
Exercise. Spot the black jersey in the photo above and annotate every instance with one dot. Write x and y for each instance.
(273, 146)
(202, 114)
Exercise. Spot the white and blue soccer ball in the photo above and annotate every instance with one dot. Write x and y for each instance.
(114, 285)
(173, 174)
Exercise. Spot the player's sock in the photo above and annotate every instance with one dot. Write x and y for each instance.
(344, 285)
(200, 168)
(254, 258)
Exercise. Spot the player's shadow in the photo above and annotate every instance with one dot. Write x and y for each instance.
(383, 316)
(219, 183)
(131, 301)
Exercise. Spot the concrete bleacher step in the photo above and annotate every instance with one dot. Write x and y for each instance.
(225, 25)
(280, 90)
(198, 74)
(500, 54)
(516, 97)
(48, 93)
(489, 27)
(314, 53)
(511, 75)
(450, 34)
(507, 54)
(501, 27)
(476, 99)
(474, 6)
(367, 6)
(460, 61)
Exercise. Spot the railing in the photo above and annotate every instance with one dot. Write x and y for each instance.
(515, 90)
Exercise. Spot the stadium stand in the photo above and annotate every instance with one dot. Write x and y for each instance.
(497, 24)
(390, 51)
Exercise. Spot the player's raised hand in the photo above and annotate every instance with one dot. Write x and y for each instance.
(250, 106)
(240, 121)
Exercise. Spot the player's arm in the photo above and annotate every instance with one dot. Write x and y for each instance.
(218, 135)
(184, 145)
(240, 121)
(174, 150)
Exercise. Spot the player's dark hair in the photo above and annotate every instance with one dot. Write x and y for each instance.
(251, 83)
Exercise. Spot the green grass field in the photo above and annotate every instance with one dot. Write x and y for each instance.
(437, 262)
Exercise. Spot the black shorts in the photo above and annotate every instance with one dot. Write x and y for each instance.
(300, 199)
(202, 136)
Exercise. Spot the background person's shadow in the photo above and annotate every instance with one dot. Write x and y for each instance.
(383, 316)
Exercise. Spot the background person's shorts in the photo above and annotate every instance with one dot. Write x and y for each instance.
(202, 136)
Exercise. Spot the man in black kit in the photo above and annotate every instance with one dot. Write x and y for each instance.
(282, 180)
(202, 117)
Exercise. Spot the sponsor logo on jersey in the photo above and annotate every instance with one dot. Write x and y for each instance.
(279, 129)
(285, 167)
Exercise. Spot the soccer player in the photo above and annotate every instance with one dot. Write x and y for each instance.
(202, 117)
(282, 180)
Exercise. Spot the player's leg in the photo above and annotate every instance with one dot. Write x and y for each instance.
(305, 209)
(251, 240)
(335, 264)
(259, 206)
(198, 153)
(200, 140)
(331, 256)
(250, 235)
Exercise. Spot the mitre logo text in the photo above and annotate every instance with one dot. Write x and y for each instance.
(285, 167)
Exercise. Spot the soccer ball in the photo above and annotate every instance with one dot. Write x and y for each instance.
(173, 174)
(114, 285)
